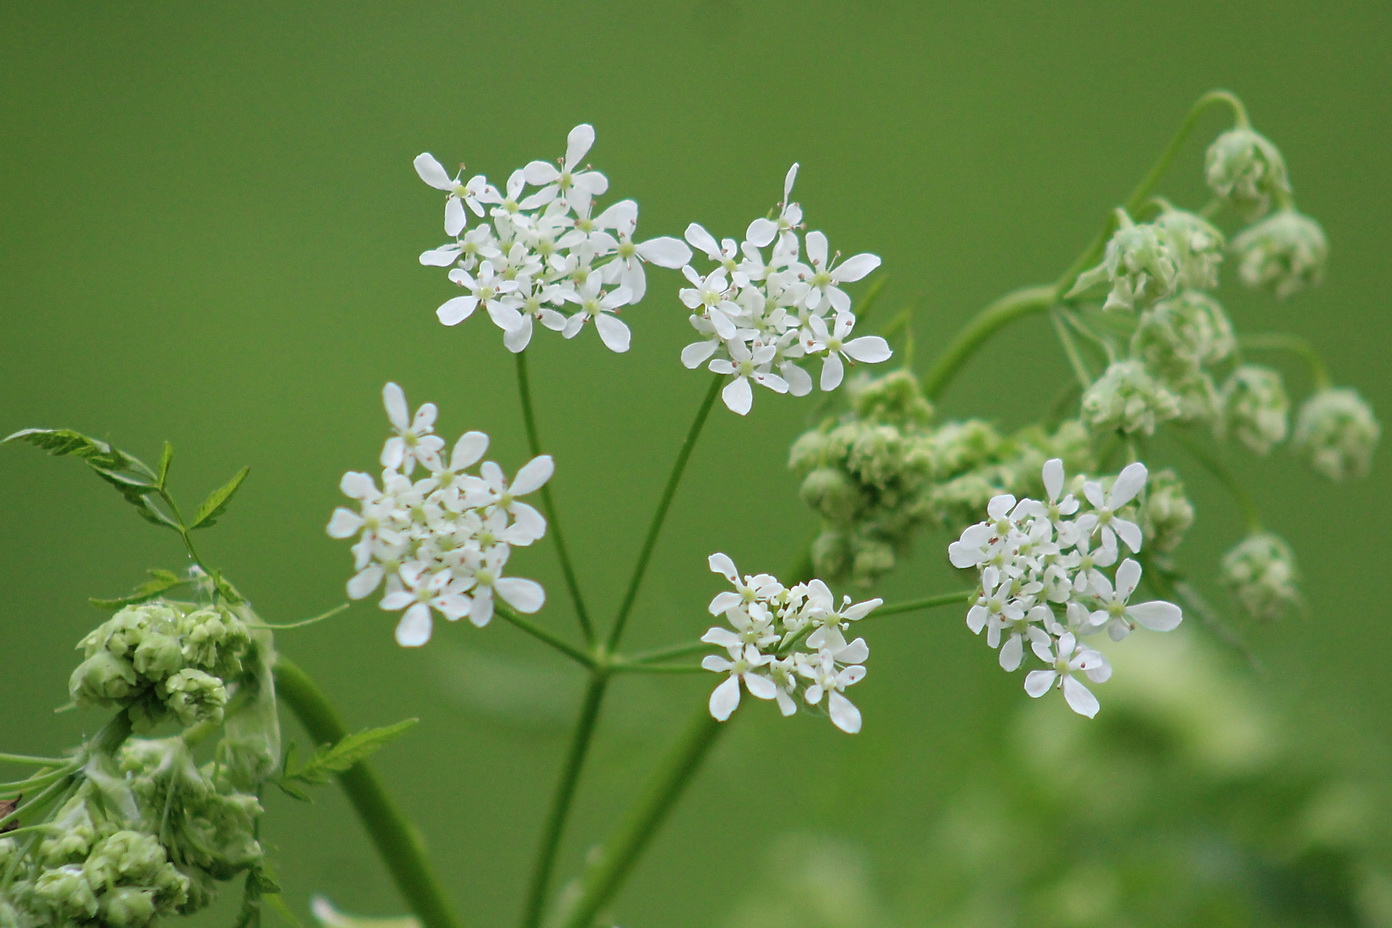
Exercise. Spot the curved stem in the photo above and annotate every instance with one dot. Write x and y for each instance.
(536, 631)
(1144, 189)
(524, 387)
(650, 542)
(560, 803)
(1226, 477)
(990, 320)
(961, 598)
(1294, 344)
(660, 654)
(397, 842)
(622, 851)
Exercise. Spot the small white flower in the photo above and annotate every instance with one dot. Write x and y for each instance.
(869, 349)
(414, 440)
(744, 366)
(742, 666)
(460, 195)
(824, 280)
(1067, 660)
(566, 181)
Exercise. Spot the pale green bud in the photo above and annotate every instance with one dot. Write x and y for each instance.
(1255, 407)
(214, 640)
(1197, 395)
(877, 456)
(194, 696)
(1127, 399)
(9, 918)
(158, 656)
(1168, 512)
(831, 493)
(219, 834)
(873, 559)
(65, 892)
(1283, 253)
(128, 907)
(896, 397)
(809, 451)
(1336, 432)
(1260, 574)
(1195, 247)
(831, 554)
(961, 446)
(1245, 169)
(1138, 263)
(102, 679)
(125, 857)
(1180, 334)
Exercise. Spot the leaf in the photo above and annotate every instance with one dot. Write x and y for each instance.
(338, 758)
(166, 459)
(160, 580)
(216, 504)
(130, 476)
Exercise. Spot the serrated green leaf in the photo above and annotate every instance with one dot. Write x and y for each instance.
(160, 580)
(166, 458)
(128, 474)
(337, 758)
(216, 504)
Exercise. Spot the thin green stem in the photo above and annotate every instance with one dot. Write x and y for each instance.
(35, 804)
(660, 654)
(572, 581)
(30, 761)
(38, 781)
(993, 318)
(561, 801)
(1146, 187)
(961, 598)
(1070, 348)
(541, 634)
(1224, 476)
(341, 607)
(659, 517)
(1294, 344)
(659, 668)
(622, 851)
(397, 841)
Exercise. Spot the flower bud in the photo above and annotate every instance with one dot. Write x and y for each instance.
(102, 679)
(1255, 407)
(1283, 253)
(128, 907)
(1138, 263)
(809, 451)
(831, 554)
(8, 849)
(1336, 432)
(873, 559)
(961, 446)
(1181, 334)
(194, 696)
(157, 656)
(1260, 574)
(1168, 512)
(831, 493)
(894, 397)
(877, 456)
(125, 857)
(1195, 247)
(66, 892)
(214, 640)
(1245, 169)
(1126, 398)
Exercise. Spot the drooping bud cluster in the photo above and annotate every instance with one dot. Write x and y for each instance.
(1127, 399)
(1284, 253)
(162, 659)
(882, 472)
(1255, 410)
(1167, 513)
(1148, 262)
(544, 256)
(1336, 432)
(786, 644)
(1260, 575)
(1245, 169)
(439, 543)
(764, 316)
(1044, 582)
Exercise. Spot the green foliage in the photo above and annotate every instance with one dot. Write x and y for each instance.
(132, 478)
(215, 505)
(338, 758)
(160, 581)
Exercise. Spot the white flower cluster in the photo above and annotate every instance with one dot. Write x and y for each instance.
(440, 543)
(765, 314)
(784, 643)
(1043, 582)
(544, 256)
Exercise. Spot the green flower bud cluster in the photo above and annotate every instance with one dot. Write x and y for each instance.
(883, 471)
(1167, 513)
(1128, 399)
(161, 659)
(1255, 409)
(1246, 170)
(1336, 432)
(1261, 577)
(1147, 262)
(145, 834)
(1283, 253)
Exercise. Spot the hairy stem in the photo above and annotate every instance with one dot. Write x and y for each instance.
(669, 491)
(397, 841)
(622, 850)
(557, 818)
(572, 582)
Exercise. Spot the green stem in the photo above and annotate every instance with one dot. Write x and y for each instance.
(561, 802)
(990, 320)
(524, 387)
(397, 842)
(650, 542)
(659, 668)
(38, 781)
(622, 851)
(1070, 348)
(1294, 344)
(1224, 476)
(961, 598)
(1144, 189)
(30, 761)
(661, 654)
(536, 631)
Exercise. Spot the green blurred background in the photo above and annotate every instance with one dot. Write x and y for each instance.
(210, 235)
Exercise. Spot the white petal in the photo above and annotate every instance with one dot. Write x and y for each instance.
(1053, 477)
(540, 173)
(832, 372)
(394, 399)
(724, 601)
(613, 333)
(455, 217)
(738, 396)
(528, 522)
(721, 564)
(1012, 653)
(725, 639)
(414, 628)
(1037, 682)
(432, 172)
(853, 269)
(725, 699)
(526, 596)
(504, 316)
(1128, 576)
(695, 354)
(1128, 484)
(761, 232)
(664, 252)
(1157, 616)
(1079, 699)
(456, 310)
(364, 582)
(799, 381)
(443, 256)
(871, 349)
(854, 653)
(759, 686)
(470, 447)
(578, 144)
(533, 474)
(519, 338)
(345, 523)
(788, 182)
(703, 242)
(844, 714)
(1129, 531)
(817, 249)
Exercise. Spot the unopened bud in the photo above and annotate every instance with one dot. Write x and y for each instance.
(1127, 399)
(194, 696)
(1336, 433)
(1244, 168)
(1255, 407)
(1195, 247)
(1260, 574)
(1168, 512)
(1284, 253)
